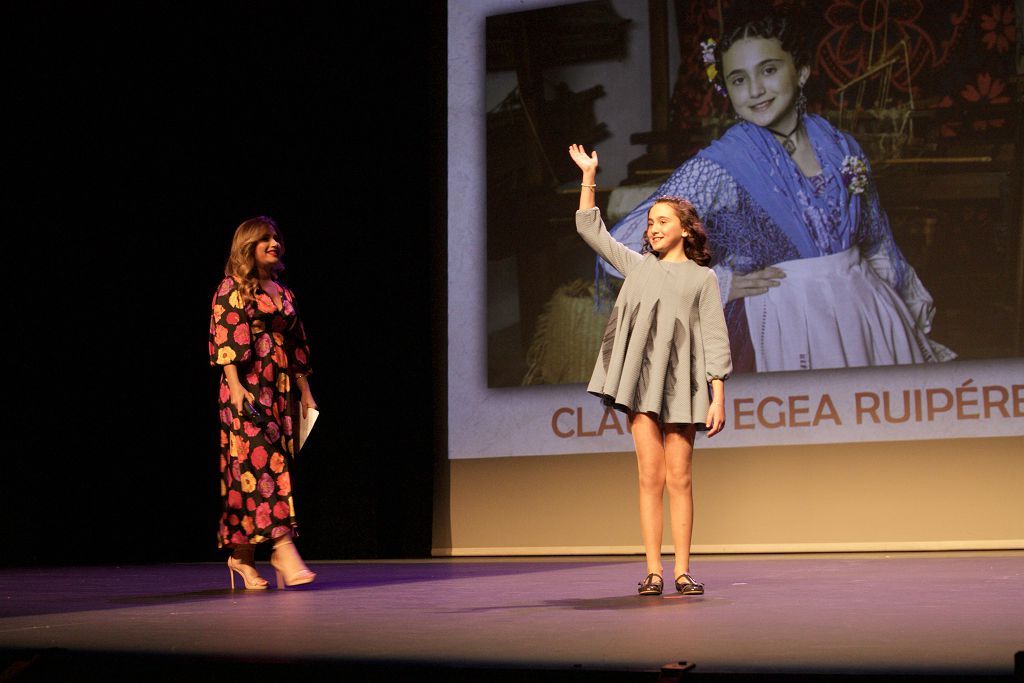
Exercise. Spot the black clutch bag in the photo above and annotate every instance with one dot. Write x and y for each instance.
(253, 415)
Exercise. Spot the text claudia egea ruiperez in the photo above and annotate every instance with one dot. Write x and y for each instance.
(967, 401)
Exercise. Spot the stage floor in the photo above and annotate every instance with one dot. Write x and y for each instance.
(909, 613)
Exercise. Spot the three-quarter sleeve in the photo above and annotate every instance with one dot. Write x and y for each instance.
(591, 228)
(230, 333)
(299, 360)
(724, 275)
(713, 331)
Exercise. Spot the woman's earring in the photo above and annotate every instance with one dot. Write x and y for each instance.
(801, 102)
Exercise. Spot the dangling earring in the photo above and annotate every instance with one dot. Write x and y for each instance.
(801, 102)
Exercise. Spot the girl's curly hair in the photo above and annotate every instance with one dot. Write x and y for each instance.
(695, 244)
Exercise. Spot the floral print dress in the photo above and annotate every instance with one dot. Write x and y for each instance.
(267, 346)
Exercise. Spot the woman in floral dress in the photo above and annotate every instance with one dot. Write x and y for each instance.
(258, 341)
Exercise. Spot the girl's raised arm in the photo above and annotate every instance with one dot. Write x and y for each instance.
(587, 164)
(588, 219)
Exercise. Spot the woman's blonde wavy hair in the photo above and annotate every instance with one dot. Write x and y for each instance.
(241, 263)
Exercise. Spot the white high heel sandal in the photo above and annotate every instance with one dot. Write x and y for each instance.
(299, 578)
(235, 566)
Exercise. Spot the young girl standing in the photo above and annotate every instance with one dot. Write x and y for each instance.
(664, 344)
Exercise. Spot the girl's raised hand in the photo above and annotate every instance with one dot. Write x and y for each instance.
(587, 164)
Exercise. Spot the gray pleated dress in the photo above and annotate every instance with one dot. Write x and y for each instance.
(666, 337)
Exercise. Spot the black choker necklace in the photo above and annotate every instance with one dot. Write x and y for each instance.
(787, 140)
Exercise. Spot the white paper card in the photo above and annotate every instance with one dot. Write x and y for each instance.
(306, 423)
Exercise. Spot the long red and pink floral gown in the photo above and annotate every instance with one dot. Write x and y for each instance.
(268, 346)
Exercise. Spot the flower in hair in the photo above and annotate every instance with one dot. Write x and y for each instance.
(855, 174)
(707, 55)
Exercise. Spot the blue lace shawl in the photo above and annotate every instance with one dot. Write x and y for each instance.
(759, 209)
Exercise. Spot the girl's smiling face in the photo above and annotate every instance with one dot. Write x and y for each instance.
(664, 230)
(763, 82)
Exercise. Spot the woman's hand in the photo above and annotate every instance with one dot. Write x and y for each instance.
(307, 401)
(587, 164)
(238, 396)
(757, 282)
(237, 393)
(716, 418)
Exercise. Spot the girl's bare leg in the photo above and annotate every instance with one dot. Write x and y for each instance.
(678, 479)
(650, 459)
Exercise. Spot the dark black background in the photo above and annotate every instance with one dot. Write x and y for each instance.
(138, 136)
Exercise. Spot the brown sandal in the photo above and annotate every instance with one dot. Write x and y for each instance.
(651, 585)
(686, 585)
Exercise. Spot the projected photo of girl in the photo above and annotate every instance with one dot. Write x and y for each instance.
(810, 274)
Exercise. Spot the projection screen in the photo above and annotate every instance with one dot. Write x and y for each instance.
(962, 198)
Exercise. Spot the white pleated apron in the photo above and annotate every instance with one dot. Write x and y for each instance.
(832, 312)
